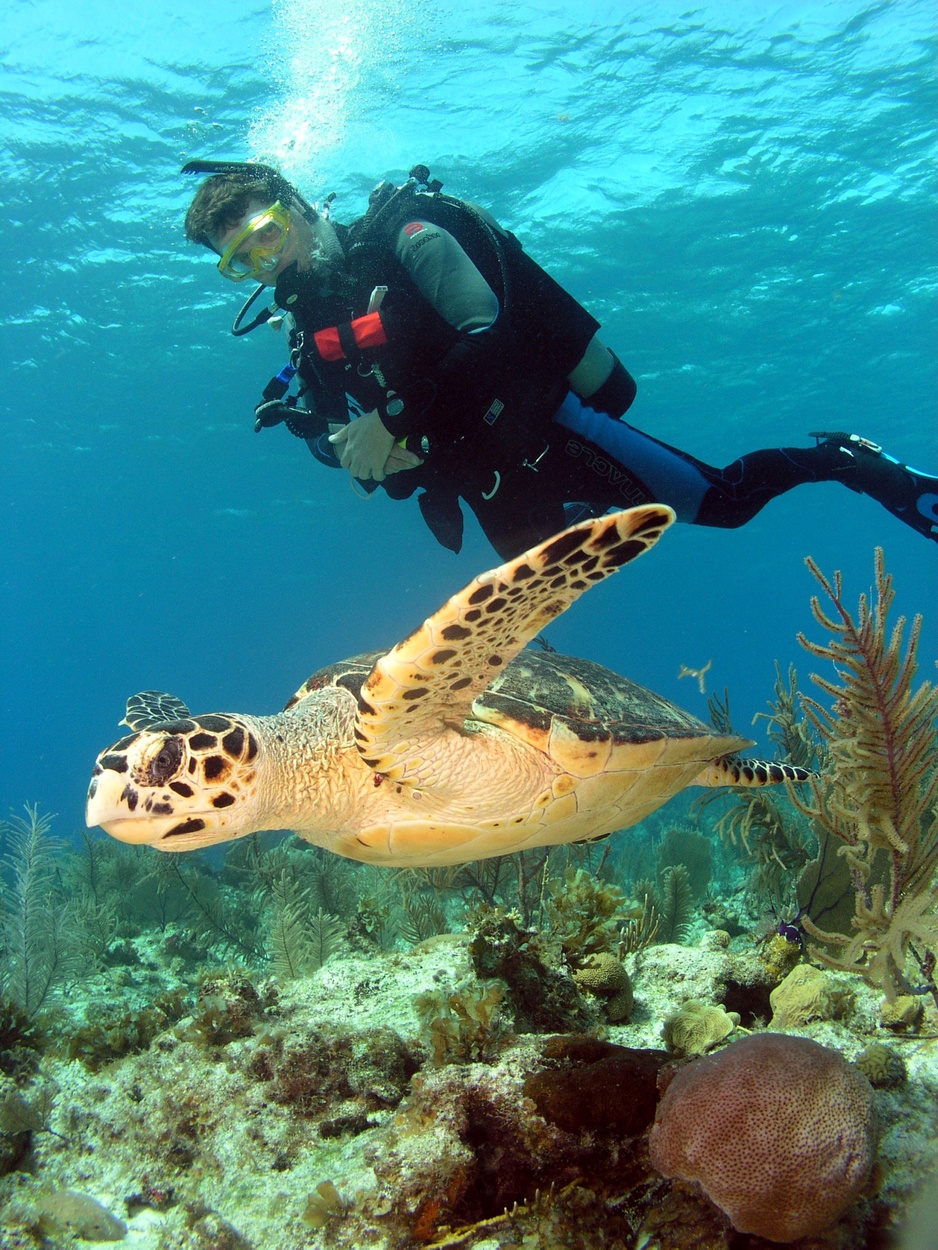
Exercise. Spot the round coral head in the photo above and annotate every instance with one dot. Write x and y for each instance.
(778, 1131)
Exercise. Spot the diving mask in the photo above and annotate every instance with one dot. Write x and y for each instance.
(257, 249)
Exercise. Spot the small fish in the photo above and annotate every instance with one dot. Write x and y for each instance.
(698, 673)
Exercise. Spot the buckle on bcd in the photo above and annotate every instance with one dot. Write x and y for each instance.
(867, 444)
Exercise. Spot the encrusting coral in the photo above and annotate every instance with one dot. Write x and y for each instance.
(903, 1014)
(790, 1183)
(879, 798)
(64, 1212)
(779, 955)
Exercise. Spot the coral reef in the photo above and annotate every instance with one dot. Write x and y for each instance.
(675, 904)
(111, 1034)
(21, 1041)
(882, 1065)
(541, 998)
(465, 1026)
(36, 944)
(301, 939)
(794, 1182)
(593, 1085)
(324, 1120)
(780, 955)
(584, 913)
(903, 1014)
(64, 1211)
(268, 1046)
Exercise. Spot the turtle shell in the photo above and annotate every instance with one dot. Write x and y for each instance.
(590, 720)
(350, 674)
(540, 688)
(541, 691)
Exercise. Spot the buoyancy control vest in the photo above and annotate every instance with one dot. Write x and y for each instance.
(468, 403)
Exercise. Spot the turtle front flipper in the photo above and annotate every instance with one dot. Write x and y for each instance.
(428, 682)
(153, 707)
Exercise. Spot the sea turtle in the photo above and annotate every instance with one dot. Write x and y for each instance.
(455, 745)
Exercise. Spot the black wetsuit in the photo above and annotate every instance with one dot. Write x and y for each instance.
(478, 342)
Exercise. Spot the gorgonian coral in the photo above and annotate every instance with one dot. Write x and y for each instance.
(879, 797)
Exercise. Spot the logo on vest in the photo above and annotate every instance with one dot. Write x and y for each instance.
(413, 227)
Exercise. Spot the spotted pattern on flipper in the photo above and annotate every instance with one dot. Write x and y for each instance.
(458, 651)
(732, 770)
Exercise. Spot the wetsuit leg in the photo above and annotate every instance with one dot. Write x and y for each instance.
(704, 495)
(740, 490)
(660, 473)
(568, 480)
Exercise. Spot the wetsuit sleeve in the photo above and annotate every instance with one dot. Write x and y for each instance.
(445, 276)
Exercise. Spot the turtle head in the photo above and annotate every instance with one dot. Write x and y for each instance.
(178, 784)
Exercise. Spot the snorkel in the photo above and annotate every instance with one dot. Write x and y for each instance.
(285, 191)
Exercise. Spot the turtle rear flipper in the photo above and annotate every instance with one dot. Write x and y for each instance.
(730, 770)
(427, 683)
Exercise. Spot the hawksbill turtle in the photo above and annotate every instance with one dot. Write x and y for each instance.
(457, 744)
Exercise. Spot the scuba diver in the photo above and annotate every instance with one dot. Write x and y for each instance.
(431, 354)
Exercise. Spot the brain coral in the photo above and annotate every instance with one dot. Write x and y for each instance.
(604, 975)
(778, 1131)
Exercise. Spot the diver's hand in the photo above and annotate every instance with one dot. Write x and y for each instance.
(400, 459)
(363, 447)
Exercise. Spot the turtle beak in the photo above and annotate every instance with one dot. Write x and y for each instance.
(112, 801)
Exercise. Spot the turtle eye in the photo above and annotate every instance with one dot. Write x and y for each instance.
(164, 765)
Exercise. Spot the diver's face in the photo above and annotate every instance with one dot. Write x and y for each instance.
(278, 238)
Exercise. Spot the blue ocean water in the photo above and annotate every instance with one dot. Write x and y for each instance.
(746, 201)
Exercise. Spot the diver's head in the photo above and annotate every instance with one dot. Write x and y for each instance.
(259, 226)
(251, 222)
